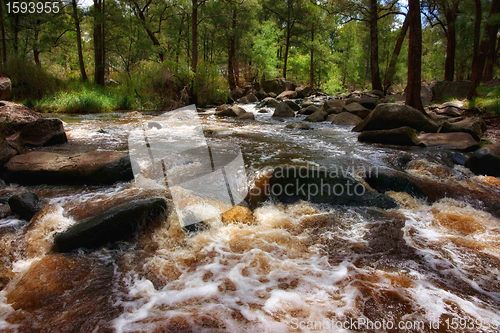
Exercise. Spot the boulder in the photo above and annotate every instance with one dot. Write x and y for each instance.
(250, 98)
(445, 90)
(261, 94)
(451, 109)
(344, 118)
(366, 101)
(29, 127)
(246, 116)
(357, 109)
(287, 94)
(473, 126)
(317, 116)
(25, 205)
(8, 149)
(283, 110)
(119, 223)
(4, 212)
(263, 111)
(392, 115)
(304, 91)
(237, 93)
(456, 141)
(229, 111)
(318, 185)
(309, 110)
(404, 136)
(332, 106)
(426, 94)
(277, 86)
(96, 167)
(485, 161)
(299, 126)
(5, 88)
(294, 106)
(269, 102)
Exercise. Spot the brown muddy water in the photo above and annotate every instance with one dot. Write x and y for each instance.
(424, 267)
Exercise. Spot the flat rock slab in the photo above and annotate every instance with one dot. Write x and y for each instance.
(116, 224)
(98, 167)
(456, 141)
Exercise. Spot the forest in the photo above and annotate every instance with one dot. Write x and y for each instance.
(162, 54)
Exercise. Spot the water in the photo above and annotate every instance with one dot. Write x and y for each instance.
(290, 268)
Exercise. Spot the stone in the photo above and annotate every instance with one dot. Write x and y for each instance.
(119, 223)
(8, 150)
(455, 141)
(238, 214)
(96, 167)
(485, 161)
(344, 118)
(403, 136)
(230, 111)
(287, 94)
(366, 101)
(283, 110)
(250, 98)
(5, 88)
(277, 86)
(269, 102)
(392, 115)
(356, 109)
(246, 116)
(294, 106)
(304, 91)
(474, 126)
(309, 110)
(445, 90)
(25, 205)
(317, 116)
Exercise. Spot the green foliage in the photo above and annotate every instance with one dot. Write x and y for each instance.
(488, 99)
(263, 51)
(210, 85)
(84, 99)
(29, 80)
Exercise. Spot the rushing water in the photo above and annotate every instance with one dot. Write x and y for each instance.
(301, 267)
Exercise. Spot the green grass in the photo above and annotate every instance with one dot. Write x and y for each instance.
(488, 99)
(83, 99)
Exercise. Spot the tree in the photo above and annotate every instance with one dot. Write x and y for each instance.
(391, 68)
(414, 56)
(2, 34)
(99, 42)
(78, 31)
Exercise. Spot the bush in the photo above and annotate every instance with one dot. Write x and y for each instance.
(86, 99)
(488, 99)
(210, 85)
(28, 80)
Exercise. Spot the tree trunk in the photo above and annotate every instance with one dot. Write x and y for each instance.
(2, 34)
(99, 43)
(478, 17)
(414, 56)
(231, 51)
(451, 43)
(194, 36)
(81, 63)
(311, 59)
(287, 36)
(179, 38)
(16, 35)
(391, 69)
(36, 44)
(140, 15)
(491, 31)
(374, 65)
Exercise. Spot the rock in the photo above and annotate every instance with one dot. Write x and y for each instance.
(451, 109)
(304, 91)
(299, 126)
(230, 111)
(318, 185)
(269, 102)
(237, 93)
(96, 167)
(238, 214)
(344, 118)
(367, 102)
(426, 94)
(444, 90)
(5, 88)
(317, 116)
(309, 110)
(29, 127)
(287, 94)
(485, 161)
(432, 189)
(392, 115)
(277, 86)
(404, 136)
(116, 224)
(246, 116)
(473, 126)
(261, 94)
(25, 205)
(263, 111)
(332, 106)
(250, 98)
(283, 110)
(7, 150)
(4, 212)
(357, 109)
(294, 106)
(457, 140)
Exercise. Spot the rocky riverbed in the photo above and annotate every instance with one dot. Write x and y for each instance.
(83, 248)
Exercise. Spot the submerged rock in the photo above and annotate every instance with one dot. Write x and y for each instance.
(25, 205)
(300, 126)
(116, 224)
(404, 136)
(485, 161)
(317, 185)
(97, 167)
(392, 115)
(456, 140)
(283, 110)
